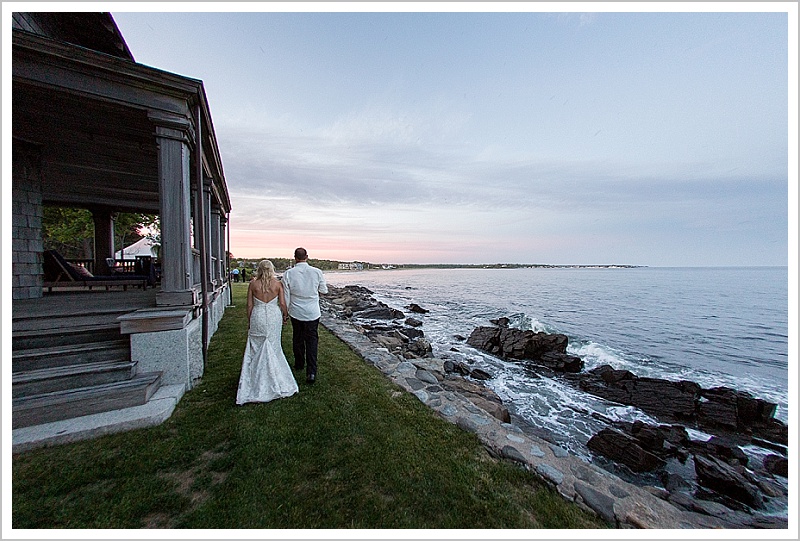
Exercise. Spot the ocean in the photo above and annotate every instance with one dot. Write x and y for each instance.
(715, 326)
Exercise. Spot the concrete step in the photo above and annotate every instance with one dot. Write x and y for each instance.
(157, 410)
(62, 378)
(50, 357)
(42, 338)
(50, 407)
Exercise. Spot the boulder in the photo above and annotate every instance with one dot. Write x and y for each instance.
(411, 332)
(479, 373)
(670, 400)
(411, 322)
(561, 362)
(391, 343)
(623, 448)
(718, 407)
(420, 347)
(655, 437)
(725, 449)
(722, 409)
(457, 368)
(545, 349)
(777, 465)
(358, 289)
(379, 312)
(774, 431)
(417, 309)
(728, 480)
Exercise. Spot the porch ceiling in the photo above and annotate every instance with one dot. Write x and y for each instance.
(93, 152)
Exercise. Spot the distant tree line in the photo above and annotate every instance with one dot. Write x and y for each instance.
(282, 263)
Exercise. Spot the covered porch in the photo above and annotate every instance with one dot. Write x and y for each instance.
(93, 129)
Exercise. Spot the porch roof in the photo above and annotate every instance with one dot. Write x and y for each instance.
(92, 116)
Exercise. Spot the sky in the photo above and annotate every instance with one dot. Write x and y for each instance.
(517, 133)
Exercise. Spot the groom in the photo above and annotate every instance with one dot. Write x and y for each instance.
(302, 285)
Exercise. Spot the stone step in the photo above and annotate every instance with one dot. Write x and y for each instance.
(50, 357)
(42, 338)
(62, 378)
(49, 407)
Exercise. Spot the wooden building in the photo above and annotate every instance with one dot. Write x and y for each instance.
(95, 130)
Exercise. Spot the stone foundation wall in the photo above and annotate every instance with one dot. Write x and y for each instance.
(177, 353)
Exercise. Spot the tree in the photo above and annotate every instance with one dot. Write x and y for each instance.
(70, 231)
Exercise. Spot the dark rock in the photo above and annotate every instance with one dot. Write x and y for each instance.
(380, 312)
(547, 350)
(718, 407)
(413, 322)
(412, 333)
(671, 400)
(773, 431)
(721, 477)
(623, 448)
(479, 373)
(771, 488)
(727, 450)
(663, 440)
(459, 337)
(674, 482)
(777, 465)
(561, 362)
(417, 309)
(358, 289)
(420, 346)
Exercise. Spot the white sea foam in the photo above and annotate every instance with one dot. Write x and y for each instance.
(595, 355)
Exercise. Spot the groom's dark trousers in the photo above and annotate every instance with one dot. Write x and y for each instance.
(305, 340)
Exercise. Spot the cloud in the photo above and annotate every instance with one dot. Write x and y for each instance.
(357, 188)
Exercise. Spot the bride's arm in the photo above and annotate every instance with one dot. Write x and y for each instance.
(249, 300)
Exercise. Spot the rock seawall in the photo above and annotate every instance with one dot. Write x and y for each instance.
(702, 484)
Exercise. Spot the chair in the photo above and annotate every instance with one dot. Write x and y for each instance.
(58, 272)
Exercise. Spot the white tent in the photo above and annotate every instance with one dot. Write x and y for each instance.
(141, 247)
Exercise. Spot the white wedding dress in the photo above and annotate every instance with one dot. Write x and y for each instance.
(265, 371)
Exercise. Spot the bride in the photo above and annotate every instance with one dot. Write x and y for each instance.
(265, 371)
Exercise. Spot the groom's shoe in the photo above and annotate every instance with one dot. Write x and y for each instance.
(311, 378)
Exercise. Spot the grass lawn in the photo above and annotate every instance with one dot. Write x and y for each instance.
(351, 451)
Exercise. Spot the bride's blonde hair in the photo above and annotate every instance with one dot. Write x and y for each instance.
(265, 273)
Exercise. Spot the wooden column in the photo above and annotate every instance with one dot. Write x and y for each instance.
(216, 252)
(103, 240)
(209, 235)
(173, 136)
(223, 244)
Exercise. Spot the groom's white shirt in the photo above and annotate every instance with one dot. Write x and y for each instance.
(302, 285)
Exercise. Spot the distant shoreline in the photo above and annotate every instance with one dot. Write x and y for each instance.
(491, 266)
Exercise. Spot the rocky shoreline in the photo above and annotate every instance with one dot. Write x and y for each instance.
(697, 484)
